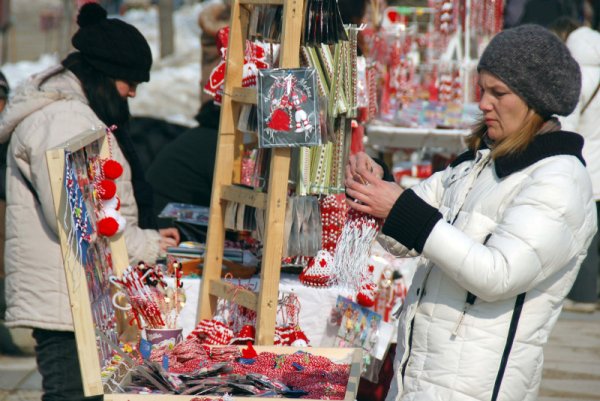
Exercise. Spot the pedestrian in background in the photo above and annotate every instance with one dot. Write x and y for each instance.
(584, 45)
(501, 232)
(88, 89)
(4, 92)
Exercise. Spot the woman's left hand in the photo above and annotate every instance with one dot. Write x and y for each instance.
(374, 195)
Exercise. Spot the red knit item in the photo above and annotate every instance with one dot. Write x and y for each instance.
(249, 352)
(106, 189)
(107, 226)
(368, 290)
(318, 271)
(279, 121)
(112, 169)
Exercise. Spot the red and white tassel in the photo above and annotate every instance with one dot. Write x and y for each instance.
(351, 256)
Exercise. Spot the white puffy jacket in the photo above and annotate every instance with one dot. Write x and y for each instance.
(34, 121)
(584, 44)
(502, 239)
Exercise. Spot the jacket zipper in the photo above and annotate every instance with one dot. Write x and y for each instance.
(469, 301)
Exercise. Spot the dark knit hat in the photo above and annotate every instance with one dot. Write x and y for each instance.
(112, 46)
(537, 66)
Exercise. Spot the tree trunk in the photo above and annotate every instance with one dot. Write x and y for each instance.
(165, 23)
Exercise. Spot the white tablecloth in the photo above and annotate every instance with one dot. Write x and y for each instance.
(315, 306)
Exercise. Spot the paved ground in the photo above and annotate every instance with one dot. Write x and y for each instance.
(571, 370)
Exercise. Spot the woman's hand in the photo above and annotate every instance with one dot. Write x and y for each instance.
(168, 237)
(361, 159)
(371, 194)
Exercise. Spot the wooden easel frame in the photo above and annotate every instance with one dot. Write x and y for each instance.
(83, 324)
(228, 170)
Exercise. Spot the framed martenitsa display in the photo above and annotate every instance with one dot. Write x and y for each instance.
(125, 316)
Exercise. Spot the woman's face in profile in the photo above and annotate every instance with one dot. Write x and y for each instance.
(126, 89)
(503, 110)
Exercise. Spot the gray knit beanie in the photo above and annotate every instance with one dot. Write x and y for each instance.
(537, 66)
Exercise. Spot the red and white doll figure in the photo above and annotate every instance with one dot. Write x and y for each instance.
(254, 58)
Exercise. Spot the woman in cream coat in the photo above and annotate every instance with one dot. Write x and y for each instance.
(88, 90)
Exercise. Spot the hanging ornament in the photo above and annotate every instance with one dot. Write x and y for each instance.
(110, 223)
(112, 169)
(106, 189)
(324, 23)
(352, 251)
(319, 270)
(368, 290)
(254, 59)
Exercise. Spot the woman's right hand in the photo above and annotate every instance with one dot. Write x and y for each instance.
(168, 237)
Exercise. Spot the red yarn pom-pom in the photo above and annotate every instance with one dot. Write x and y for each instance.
(112, 169)
(106, 189)
(108, 226)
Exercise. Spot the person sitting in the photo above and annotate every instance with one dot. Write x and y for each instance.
(182, 171)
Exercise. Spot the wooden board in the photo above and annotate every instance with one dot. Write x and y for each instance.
(74, 271)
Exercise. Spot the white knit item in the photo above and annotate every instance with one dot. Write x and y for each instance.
(351, 256)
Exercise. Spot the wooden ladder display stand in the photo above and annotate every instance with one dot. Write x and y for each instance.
(228, 171)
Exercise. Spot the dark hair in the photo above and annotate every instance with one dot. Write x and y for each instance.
(105, 101)
(100, 91)
(563, 26)
(4, 87)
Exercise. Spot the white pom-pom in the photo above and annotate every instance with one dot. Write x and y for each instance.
(117, 216)
(112, 203)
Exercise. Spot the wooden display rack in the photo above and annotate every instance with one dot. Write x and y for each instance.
(228, 170)
(83, 323)
(87, 335)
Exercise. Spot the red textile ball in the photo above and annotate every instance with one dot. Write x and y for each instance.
(108, 226)
(107, 189)
(112, 169)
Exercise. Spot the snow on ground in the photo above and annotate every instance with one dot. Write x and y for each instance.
(173, 93)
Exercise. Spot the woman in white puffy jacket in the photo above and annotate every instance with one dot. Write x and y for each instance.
(501, 232)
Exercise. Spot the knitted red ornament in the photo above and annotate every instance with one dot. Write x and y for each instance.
(249, 352)
(112, 169)
(108, 226)
(299, 339)
(367, 293)
(279, 121)
(318, 271)
(106, 189)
